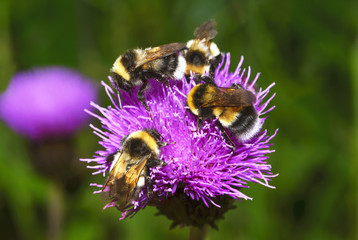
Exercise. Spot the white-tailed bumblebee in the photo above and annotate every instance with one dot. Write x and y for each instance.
(129, 171)
(202, 54)
(136, 66)
(232, 106)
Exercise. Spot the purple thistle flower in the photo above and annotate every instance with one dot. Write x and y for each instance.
(46, 102)
(200, 165)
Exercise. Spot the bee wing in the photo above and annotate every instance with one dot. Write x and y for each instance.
(110, 187)
(160, 52)
(122, 185)
(134, 172)
(206, 31)
(117, 171)
(130, 181)
(229, 97)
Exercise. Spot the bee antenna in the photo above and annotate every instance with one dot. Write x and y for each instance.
(226, 137)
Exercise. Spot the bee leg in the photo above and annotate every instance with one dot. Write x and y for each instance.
(199, 124)
(236, 85)
(202, 78)
(162, 144)
(186, 110)
(162, 78)
(187, 77)
(141, 98)
(196, 77)
(149, 186)
(226, 137)
(157, 76)
(214, 63)
(149, 183)
(130, 95)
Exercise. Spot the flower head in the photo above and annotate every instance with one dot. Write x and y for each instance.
(46, 102)
(200, 165)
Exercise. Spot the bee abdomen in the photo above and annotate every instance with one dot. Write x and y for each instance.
(246, 123)
(173, 66)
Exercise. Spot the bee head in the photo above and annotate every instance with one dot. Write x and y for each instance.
(120, 82)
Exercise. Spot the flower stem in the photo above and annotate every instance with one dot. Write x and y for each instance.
(55, 212)
(198, 233)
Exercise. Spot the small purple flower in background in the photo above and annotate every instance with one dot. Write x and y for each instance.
(202, 175)
(46, 102)
(46, 106)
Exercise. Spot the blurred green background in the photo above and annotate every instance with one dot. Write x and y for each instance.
(308, 47)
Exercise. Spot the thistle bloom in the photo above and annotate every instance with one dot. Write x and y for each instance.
(200, 166)
(46, 102)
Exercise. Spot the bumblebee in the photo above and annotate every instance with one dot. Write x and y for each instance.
(202, 55)
(136, 66)
(232, 106)
(130, 168)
